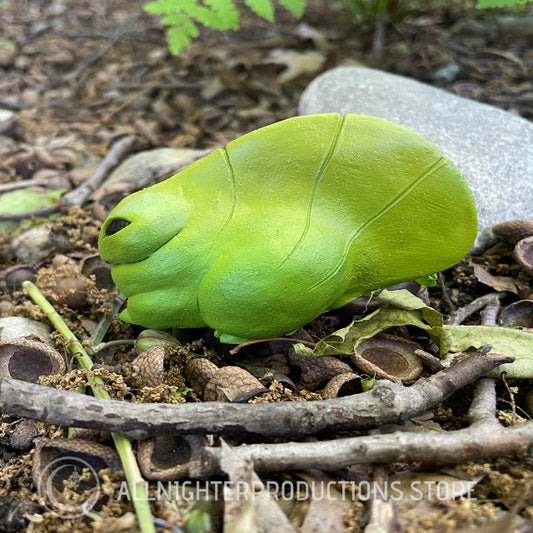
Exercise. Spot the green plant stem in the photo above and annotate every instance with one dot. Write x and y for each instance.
(102, 327)
(134, 479)
(104, 345)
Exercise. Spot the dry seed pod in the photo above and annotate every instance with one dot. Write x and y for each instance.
(72, 464)
(24, 435)
(91, 434)
(168, 457)
(342, 385)
(232, 384)
(52, 178)
(6, 308)
(278, 362)
(317, 371)
(106, 198)
(14, 513)
(268, 375)
(523, 254)
(198, 373)
(148, 369)
(27, 359)
(388, 357)
(518, 314)
(14, 276)
(514, 230)
(71, 292)
(154, 337)
(93, 265)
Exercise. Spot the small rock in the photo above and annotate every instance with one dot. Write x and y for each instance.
(7, 144)
(447, 73)
(142, 165)
(8, 122)
(14, 327)
(492, 148)
(33, 245)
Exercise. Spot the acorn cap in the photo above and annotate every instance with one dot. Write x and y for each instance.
(27, 359)
(388, 357)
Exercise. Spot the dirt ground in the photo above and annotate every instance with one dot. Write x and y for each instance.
(76, 76)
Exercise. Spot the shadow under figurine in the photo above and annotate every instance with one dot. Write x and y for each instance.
(289, 221)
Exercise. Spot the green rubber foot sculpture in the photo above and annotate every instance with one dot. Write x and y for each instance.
(287, 222)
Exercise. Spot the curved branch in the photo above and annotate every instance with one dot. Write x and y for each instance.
(387, 403)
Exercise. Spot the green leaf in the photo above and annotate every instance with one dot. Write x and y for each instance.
(199, 520)
(403, 308)
(160, 6)
(482, 4)
(26, 200)
(179, 37)
(262, 8)
(296, 7)
(428, 281)
(507, 341)
(221, 15)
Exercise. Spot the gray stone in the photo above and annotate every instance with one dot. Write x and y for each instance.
(34, 245)
(143, 165)
(14, 327)
(492, 147)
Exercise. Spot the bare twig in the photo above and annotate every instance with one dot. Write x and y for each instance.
(461, 314)
(36, 213)
(79, 195)
(483, 407)
(15, 185)
(490, 312)
(434, 447)
(386, 403)
(444, 291)
(159, 85)
(122, 443)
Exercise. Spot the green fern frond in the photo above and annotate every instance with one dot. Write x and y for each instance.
(296, 7)
(182, 16)
(262, 8)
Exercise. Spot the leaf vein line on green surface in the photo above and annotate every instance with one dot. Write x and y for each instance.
(319, 177)
(233, 193)
(425, 174)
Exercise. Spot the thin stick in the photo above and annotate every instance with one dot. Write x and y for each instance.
(434, 447)
(135, 481)
(237, 348)
(80, 194)
(386, 403)
(24, 184)
(105, 322)
(459, 316)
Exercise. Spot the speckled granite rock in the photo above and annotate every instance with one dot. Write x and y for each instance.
(493, 148)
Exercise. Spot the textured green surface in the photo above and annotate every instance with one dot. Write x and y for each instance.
(287, 222)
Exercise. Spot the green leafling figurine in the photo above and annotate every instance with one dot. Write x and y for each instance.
(287, 222)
